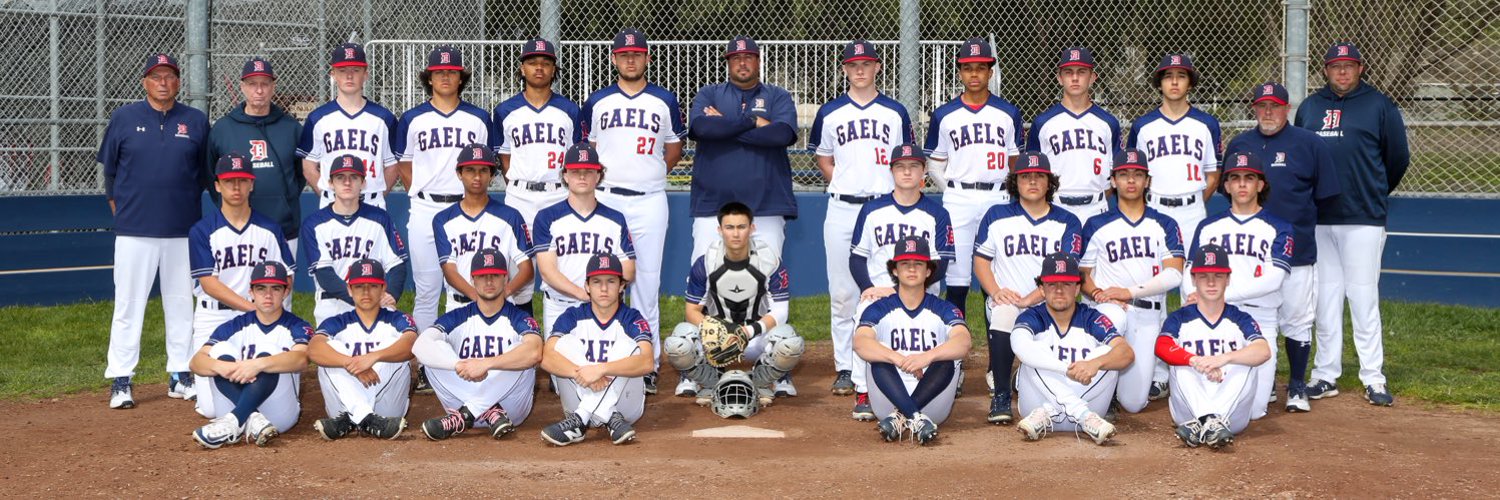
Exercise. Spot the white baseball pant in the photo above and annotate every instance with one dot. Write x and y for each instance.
(1084, 212)
(646, 215)
(139, 262)
(425, 270)
(512, 389)
(1349, 266)
(1194, 396)
(1140, 326)
(770, 230)
(282, 408)
(1069, 402)
(553, 305)
(966, 207)
(1265, 374)
(530, 202)
(205, 321)
(343, 392)
(1298, 298)
(624, 395)
(328, 308)
(843, 293)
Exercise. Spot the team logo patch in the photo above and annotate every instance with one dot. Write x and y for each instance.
(348, 162)
(603, 261)
(1073, 55)
(1280, 158)
(1104, 322)
(1267, 90)
(629, 39)
(258, 150)
(366, 269)
(1060, 266)
(642, 325)
(1331, 118)
(1241, 161)
(911, 246)
(238, 164)
(531, 324)
(583, 155)
(859, 49)
(950, 234)
(182, 130)
(444, 57)
(1343, 50)
(739, 45)
(489, 260)
(973, 49)
(162, 59)
(479, 152)
(1077, 244)
(349, 53)
(760, 103)
(540, 45)
(270, 269)
(1033, 161)
(1210, 259)
(1176, 60)
(260, 66)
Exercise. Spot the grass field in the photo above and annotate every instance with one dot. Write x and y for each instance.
(1437, 353)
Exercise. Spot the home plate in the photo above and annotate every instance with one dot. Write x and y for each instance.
(738, 431)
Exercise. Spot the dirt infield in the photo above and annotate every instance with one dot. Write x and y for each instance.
(76, 446)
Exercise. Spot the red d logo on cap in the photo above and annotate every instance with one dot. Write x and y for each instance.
(973, 49)
(1241, 161)
(443, 57)
(1073, 55)
(1209, 259)
(1061, 266)
(270, 270)
(1343, 50)
(489, 260)
(739, 45)
(603, 261)
(161, 59)
(629, 39)
(1033, 161)
(911, 246)
(366, 270)
(540, 45)
(349, 53)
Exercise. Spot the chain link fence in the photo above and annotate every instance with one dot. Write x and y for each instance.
(76, 60)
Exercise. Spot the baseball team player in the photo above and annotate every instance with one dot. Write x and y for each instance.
(225, 248)
(567, 235)
(1181, 143)
(350, 124)
(362, 360)
(1367, 136)
(971, 143)
(913, 341)
(347, 230)
(1013, 239)
(745, 286)
(853, 138)
(638, 128)
(534, 129)
(1077, 136)
(1260, 250)
(1132, 257)
(482, 357)
(428, 140)
(267, 135)
(479, 222)
(1302, 169)
(1071, 357)
(878, 227)
(152, 157)
(599, 354)
(252, 366)
(1213, 348)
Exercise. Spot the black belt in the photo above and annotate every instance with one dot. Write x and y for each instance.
(1146, 304)
(441, 198)
(1175, 202)
(1080, 200)
(548, 295)
(459, 298)
(214, 305)
(536, 186)
(363, 196)
(621, 191)
(987, 186)
(855, 200)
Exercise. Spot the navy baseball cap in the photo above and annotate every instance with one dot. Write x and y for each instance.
(860, 50)
(269, 273)
(476, 154)
(1342, 51)
(1060, 267)
(488, 261)
(347, 54)
(908, 152)
(233, 166)
(347, 163)
(1243, 161)
(539, 47)
(445, 57)
(1032, 161)
(1130, 159)
(160, 59)
(1210, 258)
(364, 271)
(1175, 61)
(629, 40)
(1270, 91)
(604, 264)
(741, 45)
(257, 66)
(912, 248)
(976, 49)
(1076, 56)
(582, 156)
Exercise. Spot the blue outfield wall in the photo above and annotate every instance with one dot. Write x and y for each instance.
(59, 249)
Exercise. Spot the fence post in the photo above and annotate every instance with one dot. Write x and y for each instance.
(1295, 59)
(911, 55)
(99, 39)
(54, 132)
(197, 51)
(317, 62)
(550, 20)
(369, 21)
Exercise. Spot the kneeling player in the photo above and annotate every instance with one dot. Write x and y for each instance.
(254, 363)
(598, 354)
(481, 356)
(912, 340)
(1212, 360)
(1070, 355)
(362, 358)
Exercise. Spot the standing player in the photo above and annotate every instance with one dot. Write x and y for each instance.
(1181, 143)
(224, 249)
(534, 129)
(570, 233)
(429, 139)
(1013, 240)
(345, 231)
(1132, 257)
(1302, 170)
(268, 135)
(1077, 136)
(971, 143)
(1071, 356)
(598, 354)
(913, 341)
(638, 126)
(362, 360)
(349, 125)
(853, 137)
(1367, 136)
(1212, 359)
(482, 357)
(479, 222)
(1260, 248)
(252, 366)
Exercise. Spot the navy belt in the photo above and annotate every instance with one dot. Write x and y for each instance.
(621, 191)
(536, 186)
(856, 200)
(441, 198)
(1080, 200)
(987, 186)
(1175, 202)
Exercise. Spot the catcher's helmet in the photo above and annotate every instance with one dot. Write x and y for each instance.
(735, 395)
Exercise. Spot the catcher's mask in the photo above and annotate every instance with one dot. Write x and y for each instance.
(735, 395)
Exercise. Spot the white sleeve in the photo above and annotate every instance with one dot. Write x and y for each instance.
(937, 169)
(1165, 281)
(432, 349)
(1243, 288)
(780, 310)
(1033, 353)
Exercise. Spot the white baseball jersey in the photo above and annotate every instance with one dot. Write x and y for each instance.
(1088, 330)
(1125, 253)
(472, 335)
(883, 222)
(911, 331)
(1254, 243)
(431, 141)
(631, 133)
(976, 143)
(246, 338)
(348, 328)
(1016, 244)
(1179, 153)
(535, 138)
(460, 236)
(330, 240)
(1080, 147)
(579, 325)
(218, 249)
(860, 140)
(330, 133)
(1197, 335)
(575, 238)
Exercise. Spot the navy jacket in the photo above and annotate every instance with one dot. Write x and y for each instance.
(737, 161)
(1301, 172)
(153, 169)
(1367, 136)
(271, 144)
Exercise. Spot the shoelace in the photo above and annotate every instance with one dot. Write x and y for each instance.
(453, 422)
(1047, 427)
(492, 415)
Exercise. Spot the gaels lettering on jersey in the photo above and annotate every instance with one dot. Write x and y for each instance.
(1030, 244)
(1130, 247)
(1209, 347)
(473, 241)
(348, 247)
(445, 137)
(1173, 144)
(630, 117)
(540, 132)
(888, 234)
(1071, 354)
(863, 128)
(351, 139)
(1244, 244)
(582, 243)
(977, 133)
(1078, 138)
(362, 348)
(913, 339)
(481, 346)
(241, 255)
(597, 351)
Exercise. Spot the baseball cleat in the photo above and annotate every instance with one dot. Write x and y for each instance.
(784, 387)
(989, 382)
(382, 427)
(923, 429)
(218, 432)
(1097, 429)
(444, 427)
(1000, 409)
(705, 396)
(565, 432)
(1158, 390)
(119, 394)
(620, 430)
(1273, 397)
(1191, 433)
(1216, 432)
(958, 391)
(862, 411)
(650, 380)
(180, 386)
(258, 430)
(422, 386)
(686, 388)
(1377, 395)
(843, 384)
(892, 426)
(498, 420)
(1036, 425)
(1296, 398)
(1320, 389)
(334, 427)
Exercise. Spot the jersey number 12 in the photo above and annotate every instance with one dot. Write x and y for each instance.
(1195, 173)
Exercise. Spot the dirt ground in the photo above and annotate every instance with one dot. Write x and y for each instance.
(75, 445)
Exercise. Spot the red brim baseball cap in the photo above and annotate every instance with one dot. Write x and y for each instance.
(1271, 98)
(360, 64)
(367, 280)
(269, 281)
(1029, 170)
(1060, 278)
(983, 59)
(862, 58)
(340, 170)
(912, 256)
(236, 175)
(605, 272)
(1211, 269)
(630, 49)
(489, 271)
(1075, 63)
(583, 166)
(445, 68)
(267, 75)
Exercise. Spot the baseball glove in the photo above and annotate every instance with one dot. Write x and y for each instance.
(723, 344)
